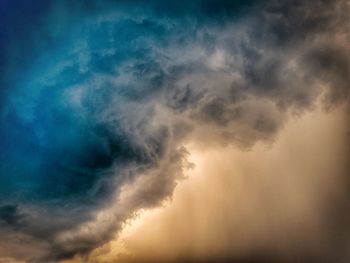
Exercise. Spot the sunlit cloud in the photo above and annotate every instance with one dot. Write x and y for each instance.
(109, 108)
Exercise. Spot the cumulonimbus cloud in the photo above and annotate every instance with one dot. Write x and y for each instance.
(94, 121)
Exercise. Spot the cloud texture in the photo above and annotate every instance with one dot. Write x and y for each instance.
(100, 98)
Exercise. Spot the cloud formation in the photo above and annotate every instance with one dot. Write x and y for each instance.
(99, 98)
(280, 204)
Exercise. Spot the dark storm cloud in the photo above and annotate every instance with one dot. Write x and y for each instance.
(97, 95)
(9, 216)
(331, 63)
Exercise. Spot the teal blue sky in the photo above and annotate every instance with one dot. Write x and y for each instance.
(84, 85)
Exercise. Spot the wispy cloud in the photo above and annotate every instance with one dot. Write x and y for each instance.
(99, 97)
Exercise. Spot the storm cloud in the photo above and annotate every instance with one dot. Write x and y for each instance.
(99, 98)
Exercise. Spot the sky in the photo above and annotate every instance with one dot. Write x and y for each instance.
(174, 131)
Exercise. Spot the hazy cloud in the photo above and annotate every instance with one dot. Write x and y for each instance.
(100, 97)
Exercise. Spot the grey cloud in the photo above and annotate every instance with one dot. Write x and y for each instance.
(9, 215)
(233, 82)
(239, 98)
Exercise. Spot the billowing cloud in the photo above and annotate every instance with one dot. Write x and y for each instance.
(283, 203)
(99, 98)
